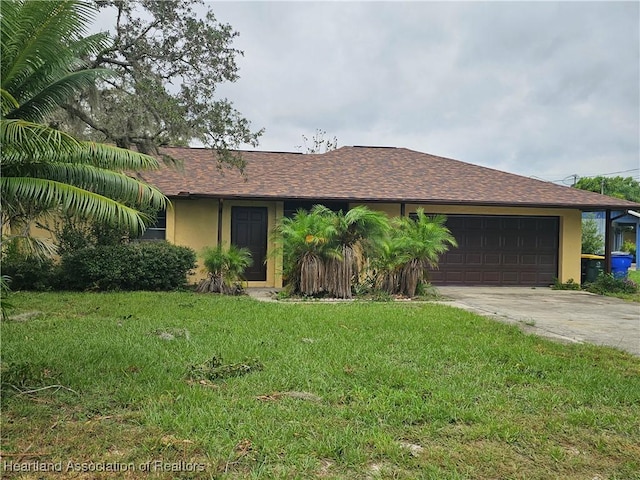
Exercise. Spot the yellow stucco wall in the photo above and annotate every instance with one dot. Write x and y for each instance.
(194, 223)
(570, 240)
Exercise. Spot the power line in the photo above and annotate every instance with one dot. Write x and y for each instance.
(575, 177)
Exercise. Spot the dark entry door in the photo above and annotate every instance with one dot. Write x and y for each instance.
(249, 229)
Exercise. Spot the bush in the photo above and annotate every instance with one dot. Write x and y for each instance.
(134, 266)
(569, 285)
(607, 283)
(27, 272)
(226, 268)
(629, 247)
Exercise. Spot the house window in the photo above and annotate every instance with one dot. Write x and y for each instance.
(157, 230)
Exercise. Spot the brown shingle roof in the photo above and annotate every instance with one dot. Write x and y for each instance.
(366, 173)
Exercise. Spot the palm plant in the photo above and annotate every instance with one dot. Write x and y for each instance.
(324, 251)
(306, 240)
(359, 233)
(5, 306)
(226, 268)
(43, 169)
(386, 266)
(419, 244)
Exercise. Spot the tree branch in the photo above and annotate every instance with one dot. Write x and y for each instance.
(86, 119)
(142, 34)
(35, 390)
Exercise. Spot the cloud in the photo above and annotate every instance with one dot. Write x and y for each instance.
(541, 88)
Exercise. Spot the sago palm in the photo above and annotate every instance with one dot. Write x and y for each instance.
(421, 241)
(226, 268)
(43, 169)
(306, 240)
(359, 233)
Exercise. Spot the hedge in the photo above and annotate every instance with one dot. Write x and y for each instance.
(134, 266)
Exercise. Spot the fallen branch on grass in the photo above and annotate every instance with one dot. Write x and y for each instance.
(36, 390)
(215, 369)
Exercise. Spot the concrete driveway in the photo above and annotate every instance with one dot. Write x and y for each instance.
(569, 316)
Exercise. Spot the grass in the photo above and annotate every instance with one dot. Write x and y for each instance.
(345, 391)
(633, 275)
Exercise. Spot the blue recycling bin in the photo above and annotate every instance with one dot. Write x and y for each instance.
(620, 263)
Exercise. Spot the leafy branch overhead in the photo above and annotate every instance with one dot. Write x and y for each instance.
(168, 59)
(45, 170)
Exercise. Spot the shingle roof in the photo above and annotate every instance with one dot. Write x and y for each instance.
(365, 173)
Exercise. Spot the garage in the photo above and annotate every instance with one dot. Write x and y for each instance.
(500, 250)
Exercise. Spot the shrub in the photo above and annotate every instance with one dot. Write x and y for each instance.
(135, 266)
(629, 247)
(25, 271)
(415, 246)
(607, 283)
(569, 285)
(226, 269)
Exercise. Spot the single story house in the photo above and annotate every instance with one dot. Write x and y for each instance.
(511, 230)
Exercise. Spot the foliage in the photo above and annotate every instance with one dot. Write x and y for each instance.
(306, 241)
(319, 144)
(133, 266)
(630, 247)
(358, 233)
(413, 248)
(619, 187)
(326, 252)
(226, 268)
(27, 271)
(5, 290)
(151, 47)
(44, 169)
(570, 284)
(607, 283)
(592, 239)
(72, 234)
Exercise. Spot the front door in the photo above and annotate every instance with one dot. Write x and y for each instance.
(249, 230)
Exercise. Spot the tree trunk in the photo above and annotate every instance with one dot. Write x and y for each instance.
(339, 274)
(312, 275)
(410, 276)
(214, 283)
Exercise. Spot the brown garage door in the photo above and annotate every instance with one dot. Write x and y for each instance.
(500, 251)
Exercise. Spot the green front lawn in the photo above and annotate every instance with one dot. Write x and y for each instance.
(350, 390)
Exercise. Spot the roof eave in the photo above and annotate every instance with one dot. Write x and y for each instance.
(481, 203)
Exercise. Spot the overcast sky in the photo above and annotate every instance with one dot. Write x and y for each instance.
(544, 89)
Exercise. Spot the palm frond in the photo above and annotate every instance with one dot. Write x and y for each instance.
(48, 93)
(102, 181)
(24, 141)
(28, 142)
(8, 101)
(37, 33)
(71, 199)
